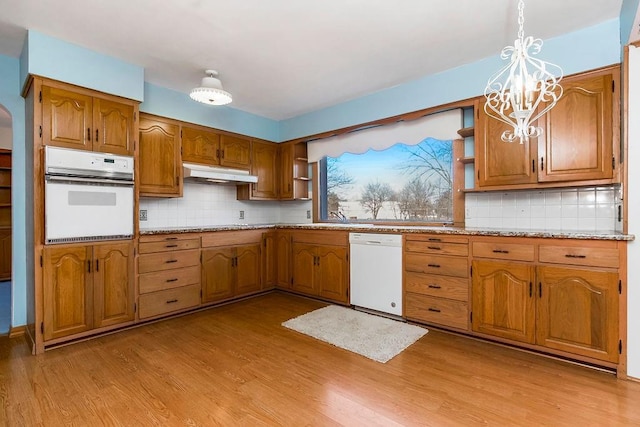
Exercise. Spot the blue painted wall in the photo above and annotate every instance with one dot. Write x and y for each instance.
(169, 103)
(50, 57)
(582, 50)
(10, 98)
(627, 16)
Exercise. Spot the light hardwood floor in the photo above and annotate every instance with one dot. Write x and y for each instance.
(236, 365)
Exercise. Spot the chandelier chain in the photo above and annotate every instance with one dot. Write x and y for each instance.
(521, 20)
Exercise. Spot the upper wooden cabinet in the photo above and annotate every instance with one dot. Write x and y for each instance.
(160, 165)
(73, 119)
(200, 146)
(235, 152)
(579, 142)
(264, 165)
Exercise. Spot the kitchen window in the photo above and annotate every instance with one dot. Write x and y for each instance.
(395, 173)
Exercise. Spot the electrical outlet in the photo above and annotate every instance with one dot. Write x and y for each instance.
(241, 216)
(143, 214)
(308, 214)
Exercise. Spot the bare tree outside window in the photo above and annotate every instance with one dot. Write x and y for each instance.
(374, 195)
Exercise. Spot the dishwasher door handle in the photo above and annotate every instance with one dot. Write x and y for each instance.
(374, 242)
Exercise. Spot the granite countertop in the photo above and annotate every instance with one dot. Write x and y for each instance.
(371, 228)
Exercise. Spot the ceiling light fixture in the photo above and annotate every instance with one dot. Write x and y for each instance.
(210, 90)
(524, 89)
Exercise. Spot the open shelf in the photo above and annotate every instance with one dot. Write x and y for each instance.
(466, 132)
(466, 160)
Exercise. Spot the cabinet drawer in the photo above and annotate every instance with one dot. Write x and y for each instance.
(435, 264)
(436, 310)
(456, 288)
(169, 245)
(510, 251)
(168, 260)
(169, 279)
(595, 257)
(161, 302)
(436, 238)
(458, 249)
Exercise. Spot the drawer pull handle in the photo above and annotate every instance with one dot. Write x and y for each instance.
(433, 239)
(435, 286)
(433, 265)
(171, 238)
(172, 280)
(171, 261)
(435, 248)
(171, 301)
(575, 256)
(171, 246)
(435, 310)
(500, 251)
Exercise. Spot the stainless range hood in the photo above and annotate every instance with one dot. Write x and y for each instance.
(216, 175)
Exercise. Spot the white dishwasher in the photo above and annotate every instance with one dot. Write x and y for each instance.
(376, 272)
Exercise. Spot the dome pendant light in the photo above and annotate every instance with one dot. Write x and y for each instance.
(524, 89)
(210, 90)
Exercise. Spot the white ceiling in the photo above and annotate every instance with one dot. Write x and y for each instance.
(283, 58)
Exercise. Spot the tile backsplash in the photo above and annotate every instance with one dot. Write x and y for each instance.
(572, 209)
(210, 205)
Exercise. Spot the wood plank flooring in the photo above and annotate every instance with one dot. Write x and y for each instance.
(236, 365)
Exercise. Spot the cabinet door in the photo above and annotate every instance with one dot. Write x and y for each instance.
(268, 262)
(499, 162)
(333, 273)
(283, 259)
(67, 291)
(247, 266)
(303, 265)
(160, 162)
(577, 142)
(503, 300)
(200, 146)
(286, 171)
(113, 293)
(113, 127)
(66, 119)
(217, 274)
(264, 164)
(578, 311)
(235, 152)
(5, 254)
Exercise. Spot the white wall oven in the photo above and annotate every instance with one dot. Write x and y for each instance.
(88, 196)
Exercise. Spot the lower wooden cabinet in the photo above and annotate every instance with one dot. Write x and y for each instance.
(573, 309)
(283, 259)
(231, 264)
(168, 274)
(87, 287)
(319, 269)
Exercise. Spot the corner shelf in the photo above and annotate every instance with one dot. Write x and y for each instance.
(466, 132)
(466, 160)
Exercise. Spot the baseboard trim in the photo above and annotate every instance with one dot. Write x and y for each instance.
(18, 331)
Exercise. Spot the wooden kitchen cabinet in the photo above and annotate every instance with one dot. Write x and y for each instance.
(231, 264)
(436, 280)
(269, 260)
(283, 259)
(579, 141)
(81, 119)
(577, 311)
(160, 162)
(86, 287)
(320, 265)
(235, 152)
(503, 300)
(294, 171)
(200, 146)
(168, 274)
(578, 133)
(264, 164)
(561, 296)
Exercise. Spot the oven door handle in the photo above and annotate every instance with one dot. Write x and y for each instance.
(88, 181)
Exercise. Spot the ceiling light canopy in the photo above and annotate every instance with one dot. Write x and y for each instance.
(524, 89)
(211, 91)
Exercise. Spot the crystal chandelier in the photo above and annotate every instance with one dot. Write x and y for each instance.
(524, 89)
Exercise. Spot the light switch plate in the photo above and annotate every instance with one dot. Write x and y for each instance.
(241, 216)
(143, 214)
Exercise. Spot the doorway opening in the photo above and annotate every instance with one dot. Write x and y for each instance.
(6, 144)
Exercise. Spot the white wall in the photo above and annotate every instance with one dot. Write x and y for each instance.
(205, 205)
(633, 203)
